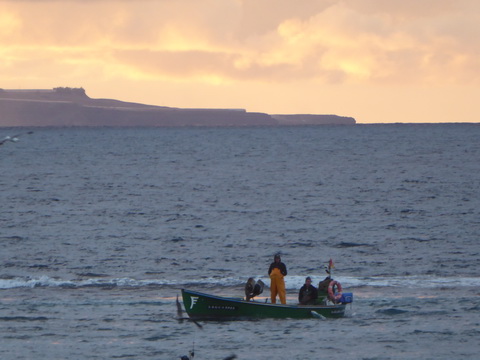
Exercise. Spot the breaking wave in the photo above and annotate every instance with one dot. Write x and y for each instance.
(291, 282)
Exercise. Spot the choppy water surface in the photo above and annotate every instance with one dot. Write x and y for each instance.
(100, 228)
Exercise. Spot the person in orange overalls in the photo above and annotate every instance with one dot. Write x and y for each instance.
(277, 271)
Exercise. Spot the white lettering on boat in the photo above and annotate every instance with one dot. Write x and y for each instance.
(221, 307)
(193, 300)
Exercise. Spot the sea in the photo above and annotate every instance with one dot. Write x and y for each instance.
(101, 228)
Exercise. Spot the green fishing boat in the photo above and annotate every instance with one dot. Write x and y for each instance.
(200, 306)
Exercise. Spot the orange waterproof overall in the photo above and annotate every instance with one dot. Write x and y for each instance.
(277, 286)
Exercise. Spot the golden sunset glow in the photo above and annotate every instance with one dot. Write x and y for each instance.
(377, 61)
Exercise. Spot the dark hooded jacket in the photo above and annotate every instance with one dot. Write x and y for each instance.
(280, 266)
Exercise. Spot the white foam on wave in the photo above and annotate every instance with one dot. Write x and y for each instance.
(416, 281)
(291, 282)
(29, 282)
(45, 281)
(425, 281)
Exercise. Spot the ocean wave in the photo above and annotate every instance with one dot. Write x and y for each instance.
(46, 281)
(291, 282)
(413, 281)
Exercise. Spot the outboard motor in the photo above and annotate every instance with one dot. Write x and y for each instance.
(258, 288)
(253, 288)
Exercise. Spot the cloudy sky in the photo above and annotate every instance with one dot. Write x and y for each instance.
(376, 60)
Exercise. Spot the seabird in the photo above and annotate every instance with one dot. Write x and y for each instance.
(13, 138)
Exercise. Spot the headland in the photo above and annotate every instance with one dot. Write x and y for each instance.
(66, 107)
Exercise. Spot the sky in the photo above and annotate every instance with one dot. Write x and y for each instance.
(379, 61)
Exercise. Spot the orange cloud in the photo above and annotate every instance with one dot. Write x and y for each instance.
(321, 39)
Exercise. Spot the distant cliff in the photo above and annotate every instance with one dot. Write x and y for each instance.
(72, 107)
(307, 119)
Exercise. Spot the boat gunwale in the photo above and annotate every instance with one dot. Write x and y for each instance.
(257, 303)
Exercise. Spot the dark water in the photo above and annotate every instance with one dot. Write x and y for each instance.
(100, 228)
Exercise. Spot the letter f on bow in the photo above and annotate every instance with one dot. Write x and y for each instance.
(194, 300)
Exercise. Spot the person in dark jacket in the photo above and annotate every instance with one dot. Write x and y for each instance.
(277, 271)
(323, 286)
(308, 293)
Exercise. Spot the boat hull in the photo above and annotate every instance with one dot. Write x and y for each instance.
(202, 306)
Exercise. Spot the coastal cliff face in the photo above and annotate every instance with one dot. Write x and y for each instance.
(72, 107)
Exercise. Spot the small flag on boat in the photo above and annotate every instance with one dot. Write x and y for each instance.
(330, 264)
